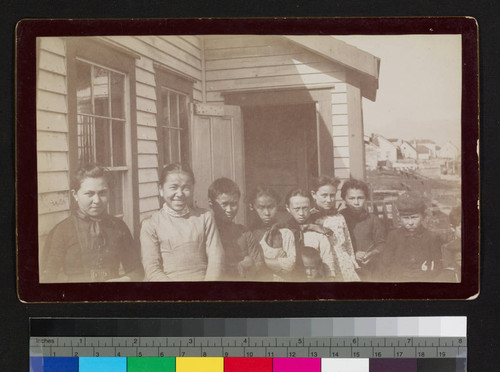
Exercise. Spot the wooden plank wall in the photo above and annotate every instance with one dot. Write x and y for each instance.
(178, 53)
(238, 63)
(52, 136)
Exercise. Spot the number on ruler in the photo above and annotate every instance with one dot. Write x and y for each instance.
(356, 354)
(421, 354)
(249, 353)
(204, 354)
(377, 354)
(442, 354)
(335, 354)
(314, 354)
(270, 353)
(292, 354)
(399, 354)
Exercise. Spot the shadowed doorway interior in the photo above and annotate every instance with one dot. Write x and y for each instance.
(280, 147)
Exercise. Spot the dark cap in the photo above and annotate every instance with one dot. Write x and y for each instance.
(410, 202)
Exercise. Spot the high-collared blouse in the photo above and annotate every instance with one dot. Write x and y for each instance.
(182, 247)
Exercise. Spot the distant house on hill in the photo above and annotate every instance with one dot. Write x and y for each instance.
(371, 155)
(423, 152)
(387, 150)
(448, 151)
(408, 151)
(431, 145)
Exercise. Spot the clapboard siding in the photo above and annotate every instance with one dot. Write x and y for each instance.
(51, 121)
(54, 45)
(146, 133)
(292, 69)
(147, 147)
(184, 45)
(53, 202)
(53, 181)
(52, 141)
(52, 161)
(148, 175)
(149, 47)
(52, 136)
(258, 63)
(237, 41)
(149, 204)
(51, 82)
(50, 101)
(55, 63)
(145, 91)
(148, 189)
(339, 120)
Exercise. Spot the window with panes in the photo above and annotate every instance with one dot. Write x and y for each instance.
(173, 118)
(98, 78)
(101, 123)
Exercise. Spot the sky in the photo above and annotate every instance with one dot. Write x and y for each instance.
(420, 86)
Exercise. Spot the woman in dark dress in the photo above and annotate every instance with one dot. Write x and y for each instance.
(90, 245)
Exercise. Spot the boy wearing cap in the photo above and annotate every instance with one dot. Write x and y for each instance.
(412, 252)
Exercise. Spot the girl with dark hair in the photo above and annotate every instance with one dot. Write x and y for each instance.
(180, 242)
(367, 231)
(90, 245)
(278, 244)
(325, 214)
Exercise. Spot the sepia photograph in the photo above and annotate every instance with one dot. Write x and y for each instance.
(254, 158)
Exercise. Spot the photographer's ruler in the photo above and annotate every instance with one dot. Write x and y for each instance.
(414, 344)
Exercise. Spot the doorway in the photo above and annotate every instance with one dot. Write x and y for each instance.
(281, 148)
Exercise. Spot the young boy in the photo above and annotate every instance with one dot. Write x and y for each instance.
(412, 253)
(452, 251)
(367, 232)
(243, 257)
(314, 268)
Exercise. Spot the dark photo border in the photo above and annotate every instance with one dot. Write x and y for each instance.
(29, 288)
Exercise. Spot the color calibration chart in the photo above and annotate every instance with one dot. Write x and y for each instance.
(409, 344)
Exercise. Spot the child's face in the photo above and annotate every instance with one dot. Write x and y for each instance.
(411, 222)
(226, 207)
(266, 208)
(355, 199)
(325, 197)
(299, 207)
(177, 190)
(313, 268)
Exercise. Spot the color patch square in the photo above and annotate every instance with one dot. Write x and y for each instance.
(248, 365)
(103, 364)
(53, 364)
(437, 365)
(200, 364)
(393, 365)
(345, 365)
(137, 364)
(296, 365)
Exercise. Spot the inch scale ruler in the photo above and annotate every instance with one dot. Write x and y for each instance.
(415, 344)
(256, 347)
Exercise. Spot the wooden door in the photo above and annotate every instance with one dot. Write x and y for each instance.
(218, 149)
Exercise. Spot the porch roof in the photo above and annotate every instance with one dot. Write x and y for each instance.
(366, 65)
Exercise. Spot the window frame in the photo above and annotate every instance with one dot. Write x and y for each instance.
(177, 83)
(102, 55)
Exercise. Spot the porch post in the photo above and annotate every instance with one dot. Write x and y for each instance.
(355, 120)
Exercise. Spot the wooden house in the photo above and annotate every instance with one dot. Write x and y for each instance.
(274, 109)
(387, 150)
(408, 151)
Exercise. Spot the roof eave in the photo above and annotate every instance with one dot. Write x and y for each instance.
(364, 63)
